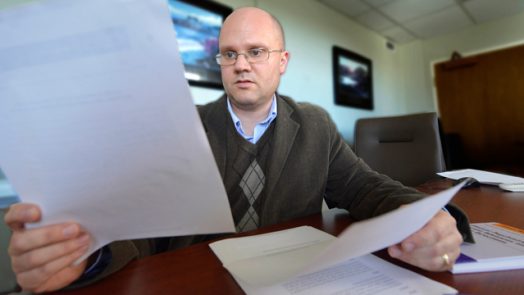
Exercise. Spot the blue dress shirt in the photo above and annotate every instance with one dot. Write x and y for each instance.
(260, 128)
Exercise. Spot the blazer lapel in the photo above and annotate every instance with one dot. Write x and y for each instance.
(215, 122)
(286, 130)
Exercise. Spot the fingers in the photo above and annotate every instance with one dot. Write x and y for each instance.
(21, 213)
(426, 248)
(28, 239)
(41, 257)
(62, 278)
(44, 255)
(44, 247)
(429, 257)
(439, 227)
(38, 279)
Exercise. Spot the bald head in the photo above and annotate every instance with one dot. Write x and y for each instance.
(253, 16)
(250, 85)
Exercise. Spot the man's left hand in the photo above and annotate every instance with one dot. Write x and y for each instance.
(434, 247)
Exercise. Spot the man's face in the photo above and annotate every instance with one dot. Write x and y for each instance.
(251, 85)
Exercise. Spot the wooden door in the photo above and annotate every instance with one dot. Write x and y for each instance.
(481, 99)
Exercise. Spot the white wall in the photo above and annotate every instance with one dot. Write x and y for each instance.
(418, 57)
(311, 31)
(402, 79)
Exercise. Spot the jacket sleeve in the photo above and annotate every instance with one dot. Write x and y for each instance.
(354, 186)
(121, 253)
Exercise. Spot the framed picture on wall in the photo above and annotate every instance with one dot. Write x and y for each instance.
(352, 74)
(197, 24)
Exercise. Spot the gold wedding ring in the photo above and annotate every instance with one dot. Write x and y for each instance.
(445, 257)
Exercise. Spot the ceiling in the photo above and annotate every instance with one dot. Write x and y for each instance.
(403, 21)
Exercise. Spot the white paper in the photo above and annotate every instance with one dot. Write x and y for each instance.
(363, 275)
(485, 177)
(268, 258)
(237, 249)
(98, 124)
(512, 187)
(272, 265)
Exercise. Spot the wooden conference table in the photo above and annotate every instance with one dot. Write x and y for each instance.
(196, 270)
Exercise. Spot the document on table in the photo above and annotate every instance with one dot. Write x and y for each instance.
(505, 182)
(98, 125)
(497, 247)
(364, 275)
(485, 177)
(306, 256)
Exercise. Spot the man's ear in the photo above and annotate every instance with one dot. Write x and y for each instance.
(284, 60)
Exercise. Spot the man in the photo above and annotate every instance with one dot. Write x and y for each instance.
(278, 160)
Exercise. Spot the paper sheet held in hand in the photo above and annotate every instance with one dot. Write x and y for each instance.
(98, 125)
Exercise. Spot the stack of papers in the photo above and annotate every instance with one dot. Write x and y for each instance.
(362, 275)
(498, 247)
(318, 263)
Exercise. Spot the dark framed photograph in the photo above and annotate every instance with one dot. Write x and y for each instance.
(197, 24)
(352, 74)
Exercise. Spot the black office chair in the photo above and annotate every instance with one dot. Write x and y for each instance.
(406, 148)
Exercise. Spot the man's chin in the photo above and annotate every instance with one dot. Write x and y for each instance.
(243, 101)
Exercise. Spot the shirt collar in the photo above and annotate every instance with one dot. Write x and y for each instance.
(270, 117)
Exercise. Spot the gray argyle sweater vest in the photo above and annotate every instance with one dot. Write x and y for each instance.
(244, 178)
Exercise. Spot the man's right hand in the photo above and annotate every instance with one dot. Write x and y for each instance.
(42, 258)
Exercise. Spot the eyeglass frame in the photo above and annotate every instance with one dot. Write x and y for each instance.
(245, 54)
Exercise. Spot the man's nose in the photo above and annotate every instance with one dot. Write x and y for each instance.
(241, 63)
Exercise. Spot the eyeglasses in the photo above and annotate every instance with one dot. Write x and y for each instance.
(255, 55)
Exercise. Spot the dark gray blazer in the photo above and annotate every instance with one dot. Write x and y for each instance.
(309, 162)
